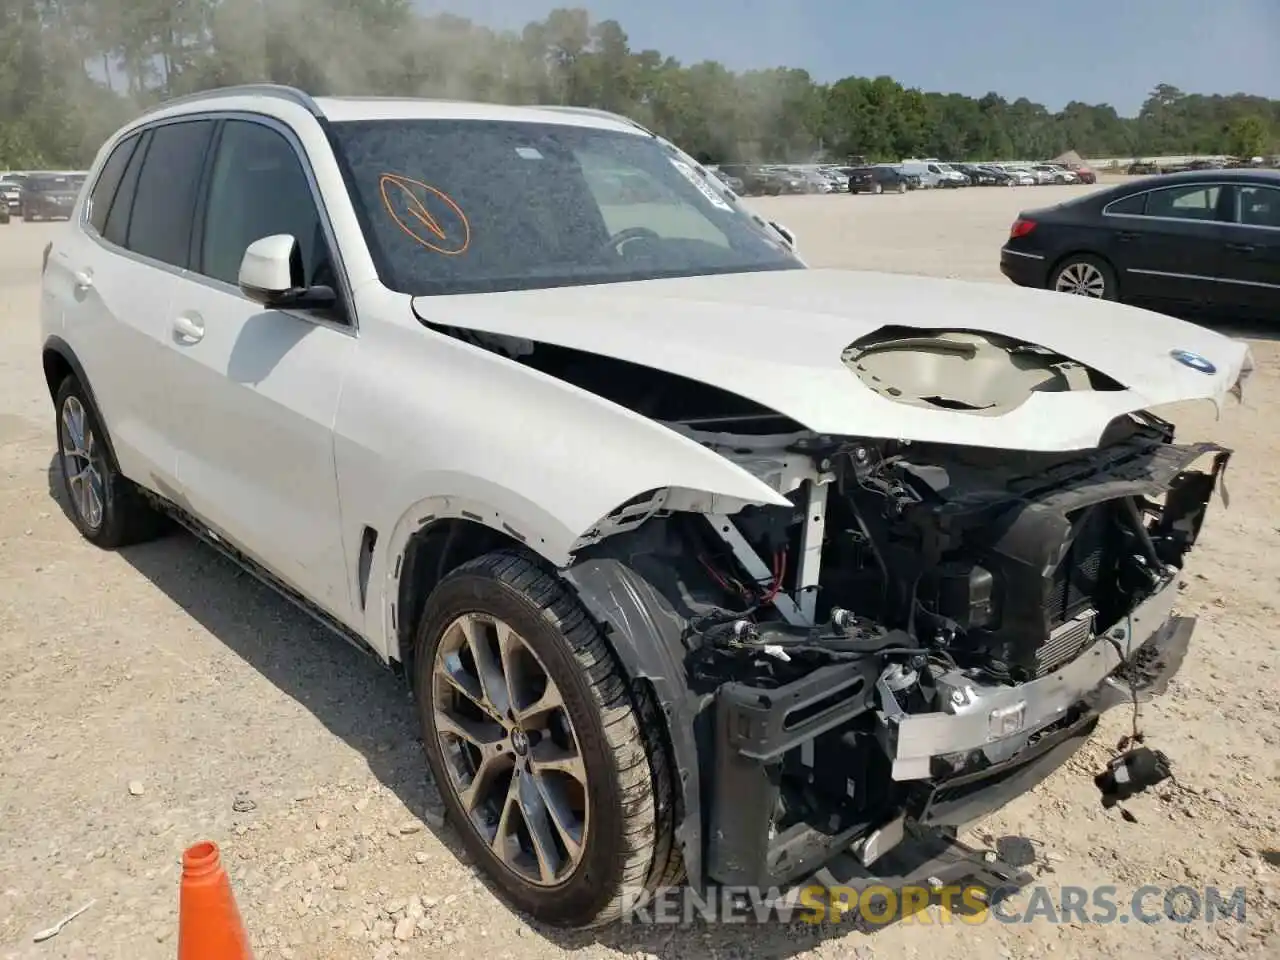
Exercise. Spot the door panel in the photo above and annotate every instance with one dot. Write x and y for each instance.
(1253, 250)
(259, 388)
(1173, 251)
(114, 310)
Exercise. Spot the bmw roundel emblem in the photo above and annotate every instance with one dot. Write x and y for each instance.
(1193, 360)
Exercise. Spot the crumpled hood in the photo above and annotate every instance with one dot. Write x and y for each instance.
(778, 338)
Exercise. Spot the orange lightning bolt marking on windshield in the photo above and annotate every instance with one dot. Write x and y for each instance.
(414, 206)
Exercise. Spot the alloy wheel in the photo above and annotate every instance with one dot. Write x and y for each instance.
(509, 749)
(82, 463)
(1082, 279)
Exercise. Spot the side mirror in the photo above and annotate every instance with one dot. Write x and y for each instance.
(271, 274)
(786, 234)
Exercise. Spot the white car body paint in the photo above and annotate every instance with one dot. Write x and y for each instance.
(777, 338)
(390, 422)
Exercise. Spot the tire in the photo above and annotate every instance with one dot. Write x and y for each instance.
(879, 189)
(902, 188)
(1082, 274)
(122, 516)
(625, 816)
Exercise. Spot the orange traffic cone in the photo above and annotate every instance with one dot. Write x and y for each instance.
(209, 926)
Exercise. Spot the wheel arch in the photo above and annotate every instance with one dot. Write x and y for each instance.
(645, 633)
(638, 623)
(58, 361)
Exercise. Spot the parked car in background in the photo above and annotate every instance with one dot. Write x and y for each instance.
(48, 196)
(735, 184)
(1201, 239)
(948, 175)
(999, 176)
(878, 179)
(1053, 173)
(929, 174)
(754, 179)
(816, 182)
(979, 176)
(10, 193)
(778, 181)
(1021, 176)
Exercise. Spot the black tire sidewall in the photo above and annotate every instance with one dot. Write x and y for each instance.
(595, 883)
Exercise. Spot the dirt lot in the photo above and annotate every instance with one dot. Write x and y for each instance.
(156, 697)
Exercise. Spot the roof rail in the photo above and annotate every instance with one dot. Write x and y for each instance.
(279, 90)
(594, 112)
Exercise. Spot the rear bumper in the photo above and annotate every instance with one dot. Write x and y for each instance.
(945, 769)
(1025, 268)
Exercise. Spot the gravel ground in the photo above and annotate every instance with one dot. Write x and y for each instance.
(156, 697)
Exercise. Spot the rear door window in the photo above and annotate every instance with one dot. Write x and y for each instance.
(1194, 202)
(1259, 207)
(165, 204)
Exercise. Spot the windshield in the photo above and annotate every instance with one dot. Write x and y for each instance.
(467, 206)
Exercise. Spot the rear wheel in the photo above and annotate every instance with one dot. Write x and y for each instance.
(107, 508)
(879, 188)
(1085, 276)
(902, 188)
(549, 769)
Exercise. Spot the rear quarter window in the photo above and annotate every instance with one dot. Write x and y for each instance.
(1131, 206)
(108, 182)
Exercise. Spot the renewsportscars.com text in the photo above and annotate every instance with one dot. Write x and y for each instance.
(881, 905)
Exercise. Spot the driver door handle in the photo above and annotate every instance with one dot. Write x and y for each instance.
(83, 279)
(188, 329)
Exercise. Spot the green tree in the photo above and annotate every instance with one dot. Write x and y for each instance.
(71, 70)
(1246, 137)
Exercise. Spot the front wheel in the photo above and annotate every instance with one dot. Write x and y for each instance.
(879, 188)
(1085, 276)
(550, 771)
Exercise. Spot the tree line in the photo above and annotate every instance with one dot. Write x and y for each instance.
(71, 71)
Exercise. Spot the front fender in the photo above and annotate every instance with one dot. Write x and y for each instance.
(430, 424)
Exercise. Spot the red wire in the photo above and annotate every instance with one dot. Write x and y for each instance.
(779, 571)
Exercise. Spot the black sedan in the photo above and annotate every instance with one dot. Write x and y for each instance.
(1206, 239)
(48, 196)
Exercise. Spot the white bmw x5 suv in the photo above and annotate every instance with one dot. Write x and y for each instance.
(701, 564)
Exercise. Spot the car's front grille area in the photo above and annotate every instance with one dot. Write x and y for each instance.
(1073, 592)
(1076, 580)
(1065, 643)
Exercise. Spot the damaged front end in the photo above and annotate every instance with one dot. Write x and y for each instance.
(927, 632)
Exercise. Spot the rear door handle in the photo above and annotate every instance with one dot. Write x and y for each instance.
(1241, 247)
(83, 279)
(1124, 236)
(188, 329)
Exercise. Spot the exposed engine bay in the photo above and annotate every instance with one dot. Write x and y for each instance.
(928, 630)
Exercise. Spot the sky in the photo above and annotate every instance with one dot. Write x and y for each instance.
(1050, 51)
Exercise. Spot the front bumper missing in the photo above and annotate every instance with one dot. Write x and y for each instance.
(1056, 713)
(998, 720)
(932, 860)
